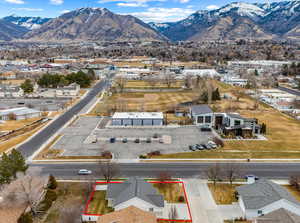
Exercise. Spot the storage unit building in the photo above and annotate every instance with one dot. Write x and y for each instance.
(137, 118)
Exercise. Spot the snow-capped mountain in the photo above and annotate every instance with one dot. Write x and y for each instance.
(94, 24)
(239, 20)
(27, 22)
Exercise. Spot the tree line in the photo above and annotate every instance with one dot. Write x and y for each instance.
(57, 80)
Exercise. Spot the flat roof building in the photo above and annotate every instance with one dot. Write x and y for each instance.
(19, 113)
(137, 118)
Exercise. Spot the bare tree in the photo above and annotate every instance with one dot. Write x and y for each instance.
(152, 81)
(169, 79)
(173, 214)
(26, 190)
(120, 83)
(108, 170)
(213, 173)
(231, 172)
(188, 82)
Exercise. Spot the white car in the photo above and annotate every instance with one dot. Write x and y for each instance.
(212, 144)
(84, 172)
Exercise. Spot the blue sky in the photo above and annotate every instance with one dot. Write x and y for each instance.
(147, 10)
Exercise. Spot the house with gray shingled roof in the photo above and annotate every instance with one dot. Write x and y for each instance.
(135, 192)
(264, 197)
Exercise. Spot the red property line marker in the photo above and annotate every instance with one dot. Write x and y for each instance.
(118, 182)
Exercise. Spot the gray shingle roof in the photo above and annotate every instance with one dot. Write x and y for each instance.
(134, 187)
(201, 109)
(281, 216)
(237, 116)
(262, 193)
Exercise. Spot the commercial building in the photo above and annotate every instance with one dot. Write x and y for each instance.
(138, 119)
(19, 113)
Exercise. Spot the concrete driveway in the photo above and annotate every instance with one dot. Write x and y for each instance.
(202, 205)
(230, 212)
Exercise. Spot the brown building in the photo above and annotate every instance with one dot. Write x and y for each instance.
(128, 215)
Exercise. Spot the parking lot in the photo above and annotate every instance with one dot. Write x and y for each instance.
(43, 104)
(175, 139)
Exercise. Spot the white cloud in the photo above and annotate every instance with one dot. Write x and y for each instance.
(29, 9)
(163, 14)
(19, 2)
(133, 4)
(56, 2)
(184, 1)
(212, 7)
(130, 2)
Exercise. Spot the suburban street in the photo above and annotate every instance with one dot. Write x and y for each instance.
(34, 143)
(183, 170)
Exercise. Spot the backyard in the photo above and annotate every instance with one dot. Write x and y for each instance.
(172, 192)
(98, 204)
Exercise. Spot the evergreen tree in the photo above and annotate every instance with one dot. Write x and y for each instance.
(52, 183)
(25, 218)
(216, 95)
(27, 86)
(17, 163)
(5, 170)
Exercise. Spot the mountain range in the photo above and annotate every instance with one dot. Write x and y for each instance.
(237, 20)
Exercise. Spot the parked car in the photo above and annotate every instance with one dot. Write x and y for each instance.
(161, 140)
(204, 146)
(251, 176)
(125, 140)
(199, 147)
(208, 146)
(212, 144)
(192, 148)
(84, 172)
(148, 140)
(137, 140)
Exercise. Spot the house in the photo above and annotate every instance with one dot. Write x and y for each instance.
(264, 197)
(9, 91)
(281, 216)
(235, 81)
(19, 113)
(138, 119)
(135, 192)
(202, 116)
(130, 214)
(71, 90)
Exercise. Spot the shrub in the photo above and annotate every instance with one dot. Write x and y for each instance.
(25, 218)
(52, 184)
(181, 199)
(218, 141)
(154, 153)
(51, 195)
(143, 157)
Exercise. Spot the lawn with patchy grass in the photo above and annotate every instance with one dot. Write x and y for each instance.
(293, 191)
(172, 192)
(14, 124)
(98, 204)
(133, 84)
(223, 193)
(143, 101)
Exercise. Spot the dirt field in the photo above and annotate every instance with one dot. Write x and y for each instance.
(146, 85)
(13, 125)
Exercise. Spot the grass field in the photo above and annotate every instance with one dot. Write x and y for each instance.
(98, 204)
(13, 125)
(142, 101)
(172, 192)
(223, 193)
(133, 84)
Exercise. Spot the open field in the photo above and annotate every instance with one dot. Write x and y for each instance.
(4, 146)
(143, 101)
(172, 192)
(13, 125)
(223, 193)
(98, 204)
(133, 84)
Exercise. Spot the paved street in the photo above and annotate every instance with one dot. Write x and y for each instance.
(34, 144)
(184, 170)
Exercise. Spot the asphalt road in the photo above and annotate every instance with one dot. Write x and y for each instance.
(183, 170)
(291, 91)
(28, 148)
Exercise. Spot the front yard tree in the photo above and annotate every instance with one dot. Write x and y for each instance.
(18, 163)
(52, 183)
(109, 170)
(231, 172)
(213, 173)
